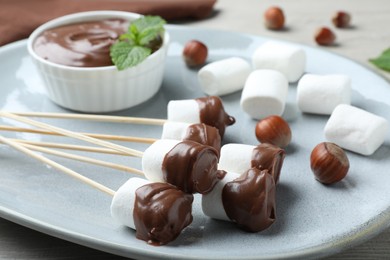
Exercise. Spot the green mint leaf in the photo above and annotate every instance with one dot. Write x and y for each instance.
(133, 29)
(148, 29)
(149, 22)
(125, 55)
(148, 35)
(128, 37)
(143, 36)
(383, 61)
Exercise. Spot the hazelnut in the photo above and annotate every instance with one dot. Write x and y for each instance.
(195, 53)
(274, 18)
(329, 163)
(274, 130)
(341, 19)
(324, 36)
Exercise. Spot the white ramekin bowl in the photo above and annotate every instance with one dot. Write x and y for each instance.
(99, 89)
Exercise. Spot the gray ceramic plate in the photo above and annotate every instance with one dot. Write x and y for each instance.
(313, 220)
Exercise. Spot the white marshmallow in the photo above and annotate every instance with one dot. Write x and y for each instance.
(355, 129)
(122, 204)
(186, 111)
(264, 94)
(286, 58)
(236, 157)
(212, 204)
(153, 158)
(320, 94)
(174, 130)
(224, 76)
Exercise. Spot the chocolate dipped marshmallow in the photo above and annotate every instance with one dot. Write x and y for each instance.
(157, 211)
(247, 200)
(190, 166)
(207, 110)
(241, 157)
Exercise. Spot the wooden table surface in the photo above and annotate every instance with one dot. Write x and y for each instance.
(368, 37)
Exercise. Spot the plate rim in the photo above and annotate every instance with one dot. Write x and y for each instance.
(372, 228)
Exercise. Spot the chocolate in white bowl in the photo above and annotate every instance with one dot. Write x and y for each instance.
(88, 88)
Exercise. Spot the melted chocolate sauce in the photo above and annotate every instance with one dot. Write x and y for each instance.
(84, 44)
(161, 212)
(268, 157)
(212, 113)
(192, 167)
(249, 200)
(204, 134)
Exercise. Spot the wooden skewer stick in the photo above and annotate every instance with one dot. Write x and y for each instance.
(99, 136)
(72, 134)
(83, 159)
(100, 118)
(71, 147)
(57, 166)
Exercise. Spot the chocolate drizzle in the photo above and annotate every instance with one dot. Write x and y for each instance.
(268, 157)
(192, 167)
(249, 200)
(204, 134)
(212, 113)
(85, 44)
(161, 212)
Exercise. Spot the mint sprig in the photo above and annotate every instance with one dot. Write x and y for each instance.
(383, 61)
(136, 44)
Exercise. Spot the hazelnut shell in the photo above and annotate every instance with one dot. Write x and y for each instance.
(325, 36)
(274, 18)
(195, 53)
(274, 130)
(341, 19)
(329, 163)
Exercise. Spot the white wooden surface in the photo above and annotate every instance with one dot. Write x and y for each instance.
(369, 35)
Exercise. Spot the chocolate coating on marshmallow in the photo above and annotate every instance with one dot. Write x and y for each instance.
(204, 134)
(268, 157)
(192, 167)
(249, 200)
(161, 212)
(212, 112)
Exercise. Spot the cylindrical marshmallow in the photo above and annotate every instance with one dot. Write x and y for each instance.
(286, 58)
(174, 130)
(236, 157)
(122, 204)
(320, 94)
(212, 204)
(224, 76)
(153, 158)
(356, 130)
(264, 94)
(186, 111)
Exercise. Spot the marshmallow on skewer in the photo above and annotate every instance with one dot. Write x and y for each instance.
(247, 199)
(356, 130)
(212, 204)
(207, 110)
(224, 76)
(174, 130)
(157, 211)
(286, 58)
(200, 133)
(320, 94)
(190, 166)
(241, 157)
(264, 94)
(122, 204)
